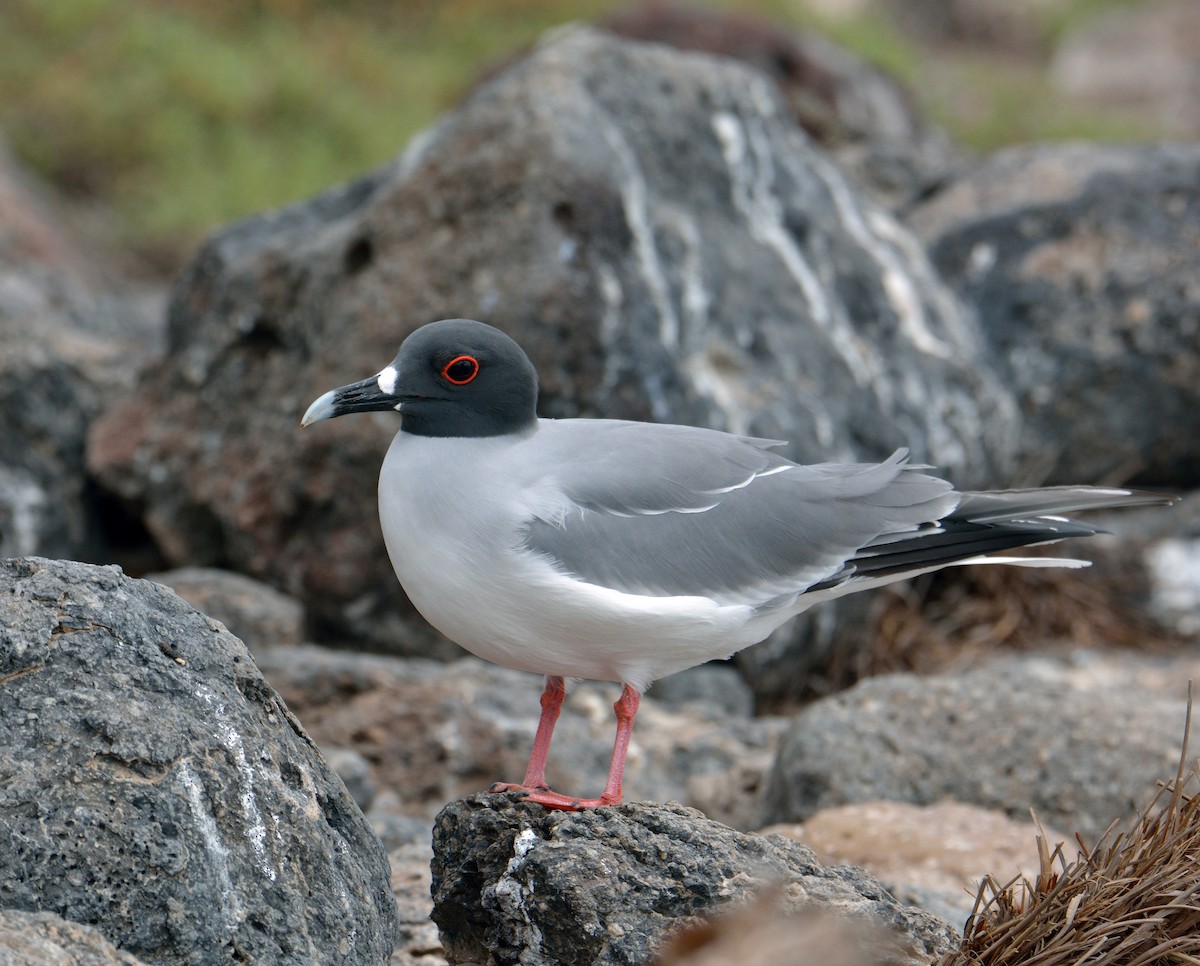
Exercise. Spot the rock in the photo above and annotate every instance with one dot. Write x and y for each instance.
(516, 883)
(869, 124)
(1082, 261)
(1082, 746)
(714, 687)
(65, 346)
(1143, 60)
(49, 940)
(154, 786)
(417, 942)
(398, 831)
(354, 771)
(810, 655)
(655, 230)
(468, 724)
(260, 615)
(930, 856)
(1173, 566)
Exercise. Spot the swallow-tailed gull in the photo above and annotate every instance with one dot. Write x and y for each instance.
(625, 551)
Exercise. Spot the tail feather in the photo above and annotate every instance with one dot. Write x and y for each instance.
(983, 523)
(999, 506)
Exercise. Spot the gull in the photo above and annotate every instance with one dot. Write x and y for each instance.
(624, 551)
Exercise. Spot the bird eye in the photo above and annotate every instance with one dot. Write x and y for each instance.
(460, 370)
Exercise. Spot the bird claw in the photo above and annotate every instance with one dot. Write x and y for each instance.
(550, 799)
(497, 788)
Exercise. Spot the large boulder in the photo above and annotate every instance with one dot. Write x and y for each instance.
(1081, 746)
(651, 225)
(515, 883)
(152, 785)
(1083, 264)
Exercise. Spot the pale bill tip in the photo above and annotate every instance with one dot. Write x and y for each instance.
(322, 408)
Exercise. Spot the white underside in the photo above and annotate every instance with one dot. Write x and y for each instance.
(456, 546)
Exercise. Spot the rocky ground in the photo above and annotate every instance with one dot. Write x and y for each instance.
(211, 781)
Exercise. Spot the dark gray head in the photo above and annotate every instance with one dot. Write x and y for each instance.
(451, 378)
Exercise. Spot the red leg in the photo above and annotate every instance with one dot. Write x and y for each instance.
(626, 709)
(535, 774)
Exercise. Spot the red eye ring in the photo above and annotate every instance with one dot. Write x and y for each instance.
(460, 370)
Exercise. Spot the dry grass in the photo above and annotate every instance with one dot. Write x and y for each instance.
(1133, 899)
(958, 616)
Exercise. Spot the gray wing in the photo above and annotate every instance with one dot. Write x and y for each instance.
(671, 510)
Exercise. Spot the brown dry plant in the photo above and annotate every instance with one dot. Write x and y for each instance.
(1133, 899)
(948, 619)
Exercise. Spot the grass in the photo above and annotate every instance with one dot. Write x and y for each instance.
(1132, 899)
(180, 116)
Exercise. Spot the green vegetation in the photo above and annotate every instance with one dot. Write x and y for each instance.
(179, 116)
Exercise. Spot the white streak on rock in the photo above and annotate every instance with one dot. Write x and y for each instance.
(695, 297)
(193, 789)
(750, 162)
(256, 829)
(724, 389)
(510, 894)
(878, 239)
(634, 199)
(610, 320)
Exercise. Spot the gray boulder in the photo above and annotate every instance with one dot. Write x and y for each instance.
(515, 883)
(1082, 263)
(154, 786)
(651, 225)
(1082, 750)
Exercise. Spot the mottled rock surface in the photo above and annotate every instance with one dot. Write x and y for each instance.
(152, 784)
(515, 883)
(1083, 262)
(1081, 750)
(859, 113)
